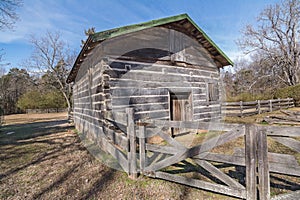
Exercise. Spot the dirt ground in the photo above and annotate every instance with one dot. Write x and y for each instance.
(42, 157)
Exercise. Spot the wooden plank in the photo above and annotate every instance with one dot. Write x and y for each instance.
(116, 116)
(280, 122)
(139, 100)
(289, 142)
(278, 163)
(249, 107)
(273, 158)
(155, 67)
(241, 193)
(194, 125)
(200, 149)
(165, 162)
(219, 174)
(142, 147)
(291, 113)
(151, 107)
(131, 134)
(250, 103)
(146, 84)
(250, 160)
(294, 119)
(116, 153)
(284, 169)
(161, 149)
(289, 196)
(231, 108)
(138, 91)
(171, 141)
(263, 166)
(152, 114)
(116, 138)
(287, 131)
(223, 158)
(231, 104)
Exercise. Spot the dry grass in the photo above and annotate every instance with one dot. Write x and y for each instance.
(256, 118)
(44, 159)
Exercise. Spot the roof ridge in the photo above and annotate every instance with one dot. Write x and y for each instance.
(115, 32)
(102, 35)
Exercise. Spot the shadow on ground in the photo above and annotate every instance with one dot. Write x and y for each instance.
(42, 160)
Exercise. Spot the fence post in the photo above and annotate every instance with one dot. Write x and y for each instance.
(289, 103)
(142, 146)
(270, 105)
(258, 107)
(292, 102)
(241, 108)
(279, 103)
(250, 159)
(131, 135)
(263, 166)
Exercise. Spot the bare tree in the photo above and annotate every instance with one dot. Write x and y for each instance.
(52, 56)
(276, 36)
(8, 15)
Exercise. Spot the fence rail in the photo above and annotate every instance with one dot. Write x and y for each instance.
(136, 154)
(249, 108)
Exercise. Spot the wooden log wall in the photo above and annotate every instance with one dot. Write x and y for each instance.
(181, 65)
(140, 70)
(147, 88)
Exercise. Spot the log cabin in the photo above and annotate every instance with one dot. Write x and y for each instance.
(166, 69)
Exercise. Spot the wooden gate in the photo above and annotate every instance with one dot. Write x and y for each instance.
(199, 165)
(172, 159)
(155, 160)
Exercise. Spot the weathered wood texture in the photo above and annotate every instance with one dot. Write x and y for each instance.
(263, 166)
(250, 161)
(255, 156)
(237, 192)
(131, 134)
(289, 118)
(140, 71)
(149, 87)
(255, 107)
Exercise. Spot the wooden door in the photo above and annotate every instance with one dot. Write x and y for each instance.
(180, 109)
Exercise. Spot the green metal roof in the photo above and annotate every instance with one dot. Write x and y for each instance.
(101, 36)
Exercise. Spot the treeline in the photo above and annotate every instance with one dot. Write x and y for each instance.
(43, 85)
(20, 91)
(247, 84)
(272, 69)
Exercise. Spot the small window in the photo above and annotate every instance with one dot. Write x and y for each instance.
(212, 92)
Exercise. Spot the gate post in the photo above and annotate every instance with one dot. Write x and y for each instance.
(142, 145)
(258, 107)
(131, 135)
(250, 161)
(241, 108)
(263, 166)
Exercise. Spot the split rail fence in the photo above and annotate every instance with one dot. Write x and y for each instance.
(131, 146)
(255, 107)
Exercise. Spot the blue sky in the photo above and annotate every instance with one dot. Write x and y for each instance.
(222, 20)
